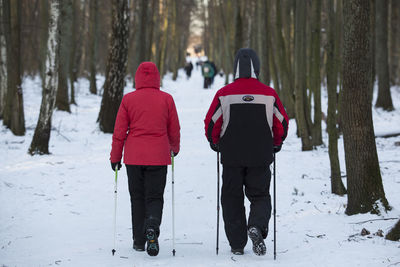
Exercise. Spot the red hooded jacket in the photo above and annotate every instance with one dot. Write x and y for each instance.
(147, 124)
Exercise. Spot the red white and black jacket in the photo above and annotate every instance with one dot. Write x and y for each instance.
(246, 119)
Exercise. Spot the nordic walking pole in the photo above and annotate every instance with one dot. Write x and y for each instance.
(217, 202)
(115, 208)
(274, 206)
(173, 205)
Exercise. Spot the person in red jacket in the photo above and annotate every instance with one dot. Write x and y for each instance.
(147, 129)
(247, 123)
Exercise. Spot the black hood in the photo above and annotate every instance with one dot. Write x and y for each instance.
(247, 64)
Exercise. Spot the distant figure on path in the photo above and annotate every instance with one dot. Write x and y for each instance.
(188, 69)
(247, 123)
(209, 71)
(147, 129)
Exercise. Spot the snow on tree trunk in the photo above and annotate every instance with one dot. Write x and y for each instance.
(364, 181)
(41, 137)
(3, 64)
(116, 67)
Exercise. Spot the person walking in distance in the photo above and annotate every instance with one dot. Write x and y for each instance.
(147, 129)
(246, 123)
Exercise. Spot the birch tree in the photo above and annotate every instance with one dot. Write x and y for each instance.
(41, 137)
(116, 67)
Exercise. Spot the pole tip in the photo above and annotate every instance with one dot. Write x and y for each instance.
(113, 251)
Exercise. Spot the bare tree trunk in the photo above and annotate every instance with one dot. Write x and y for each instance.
(285, 69)
(14, 106)
(300, 77)
(394, 42)
(116, 67)
(337, 186)
(264, 43)
(382, 65)
(44, 23)
(238, 28)
(75, 49)
(62, 98)
(41, 137)
(141, 44)
(364, 181)
(3, 62)
(394, 233)
(315, 70)
(93, 32)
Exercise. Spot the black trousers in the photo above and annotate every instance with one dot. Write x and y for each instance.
(256, 182)
(146, 188)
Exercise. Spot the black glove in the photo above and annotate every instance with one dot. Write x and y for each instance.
(277, 148)
(116, 164)
(214, 147)
(174, 153)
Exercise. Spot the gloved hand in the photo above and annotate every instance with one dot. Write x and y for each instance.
(214, 147)
(116, 164)
(174, 153)
(277, 148)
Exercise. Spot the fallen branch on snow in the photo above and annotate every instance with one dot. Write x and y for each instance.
(383, 219)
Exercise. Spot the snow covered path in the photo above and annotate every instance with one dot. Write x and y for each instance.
(58, 209)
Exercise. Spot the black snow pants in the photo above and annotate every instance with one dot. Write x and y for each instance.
(146, 188)
(256, 182)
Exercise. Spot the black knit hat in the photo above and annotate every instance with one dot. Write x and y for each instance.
(247, 64)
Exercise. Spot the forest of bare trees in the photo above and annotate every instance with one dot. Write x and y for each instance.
(303, 47)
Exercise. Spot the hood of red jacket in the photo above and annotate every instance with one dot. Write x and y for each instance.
(147, 75)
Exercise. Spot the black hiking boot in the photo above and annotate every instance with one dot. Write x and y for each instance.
(258, 242)
(139, 248)
(237, 251)
(152, 242)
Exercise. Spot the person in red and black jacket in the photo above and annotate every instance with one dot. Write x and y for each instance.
(247, 123)
(147, 129)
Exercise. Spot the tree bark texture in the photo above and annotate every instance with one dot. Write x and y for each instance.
(75, 49)
(300, 77)
(394, 233)
(93, 32)
(3, 61)
(14, 106)
(364, 181)
(265, 34)
(394, 42)
(62, 99)
(382, 64)
(41, 137)
(315, 70)
(337, 186)
(116, 67)
(285, 69)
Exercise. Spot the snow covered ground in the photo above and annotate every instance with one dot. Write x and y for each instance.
(58, 209)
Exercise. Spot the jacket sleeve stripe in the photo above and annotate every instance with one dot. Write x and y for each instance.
(217, 114)
(282, 119)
